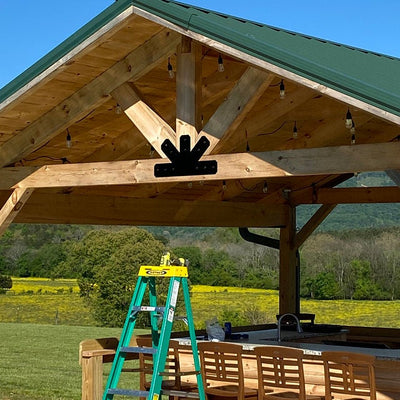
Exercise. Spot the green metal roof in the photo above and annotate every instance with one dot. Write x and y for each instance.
(365, 75)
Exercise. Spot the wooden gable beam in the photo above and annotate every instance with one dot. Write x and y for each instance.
(301, 162)
(12, 207)
(233, 110)
(149, 123)
(136, 64)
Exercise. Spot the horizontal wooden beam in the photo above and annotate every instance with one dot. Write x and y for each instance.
(302, 162)
(61, 208)
(136, 64)
(384, 194)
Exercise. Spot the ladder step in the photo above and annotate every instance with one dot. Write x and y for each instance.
(127, 392)
(135, 309)
(180, 393)
(137, 350)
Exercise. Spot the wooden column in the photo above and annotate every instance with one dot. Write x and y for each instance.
(188, 90)
(287, 269)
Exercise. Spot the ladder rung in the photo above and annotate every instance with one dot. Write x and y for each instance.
(184, 373)
(180, 393)
(144, 350)
(127, 392)
(148, 308)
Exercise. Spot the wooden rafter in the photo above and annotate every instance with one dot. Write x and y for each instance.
(323, 161)
(12, 207)
(233, 110)
(136, 64)
(149, 123)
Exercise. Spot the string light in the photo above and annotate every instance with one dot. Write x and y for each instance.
(221, 67)
(349, 120)
(118, 109)
(151, 153)
(295, 131)
(69, 141)
(224, 187)
(170, 69)
(265, 187)
(353, 133)
(282, 93)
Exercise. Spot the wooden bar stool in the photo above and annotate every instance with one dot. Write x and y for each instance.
(349, 374)
(172, 371)
(222, 371)
(281, 374)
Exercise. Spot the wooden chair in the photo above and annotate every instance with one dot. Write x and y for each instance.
(281, 374)
(172, 371)
(222, 371)
(349, 374)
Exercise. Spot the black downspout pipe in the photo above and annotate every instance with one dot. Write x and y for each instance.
(274, 244)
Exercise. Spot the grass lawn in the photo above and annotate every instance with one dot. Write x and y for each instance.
(41, 361)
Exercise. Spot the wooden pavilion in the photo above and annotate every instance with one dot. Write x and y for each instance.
(160, 113)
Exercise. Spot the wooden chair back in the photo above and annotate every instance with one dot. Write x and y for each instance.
(172, 366)
(221, 366)
(280, 367)
(349, 374)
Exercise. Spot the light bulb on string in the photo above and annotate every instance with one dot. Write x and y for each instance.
(295, 135)
(265, 187)
(353, 133)
(68, 140)
(170, 69)
(224, 187)
(118, 109)
(349, 120)
(221, 67)
(282, 92)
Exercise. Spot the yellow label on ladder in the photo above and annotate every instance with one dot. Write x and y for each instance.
(163, 272)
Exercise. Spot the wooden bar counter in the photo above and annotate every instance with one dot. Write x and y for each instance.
(95, 352)
(387, 359)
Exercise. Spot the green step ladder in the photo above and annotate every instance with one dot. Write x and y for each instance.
(147, 277)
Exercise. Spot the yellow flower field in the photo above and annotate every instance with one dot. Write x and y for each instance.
(45, 301)
(43, 286)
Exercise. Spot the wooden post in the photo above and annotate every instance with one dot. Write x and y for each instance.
(188, 90)
(92, 377)
(287, 269)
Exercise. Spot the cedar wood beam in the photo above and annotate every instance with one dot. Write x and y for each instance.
(349, 195)
(301, 162)
(248, 89)
(188, 90)
(312, 224)
(108, 210)
(149, 123)
(136, 64)
(394, 176)
(12, 207)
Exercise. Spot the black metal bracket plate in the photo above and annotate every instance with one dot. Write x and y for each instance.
(185, 162)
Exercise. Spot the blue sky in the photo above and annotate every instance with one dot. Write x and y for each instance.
(30, 29)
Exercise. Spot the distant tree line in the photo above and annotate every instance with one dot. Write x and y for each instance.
(363, 264)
